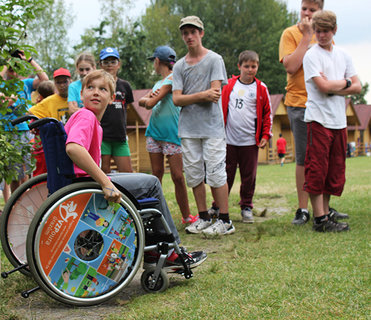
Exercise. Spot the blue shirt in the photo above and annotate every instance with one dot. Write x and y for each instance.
(74, 93)
(163, 124)
(23, 96)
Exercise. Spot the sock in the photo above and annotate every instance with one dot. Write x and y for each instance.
(304, 210)
(320, 219)
(224, 217)
(204, 215)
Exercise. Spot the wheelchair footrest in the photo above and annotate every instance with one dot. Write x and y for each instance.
(148, 203)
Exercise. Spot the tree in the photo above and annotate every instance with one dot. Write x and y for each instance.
(117, 30)
(230, 27)
(48, 33)
(360, 98)
(14, 18)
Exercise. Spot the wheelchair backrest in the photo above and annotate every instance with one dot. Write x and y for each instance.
(58, 163)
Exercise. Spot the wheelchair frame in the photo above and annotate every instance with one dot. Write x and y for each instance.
(142, 216)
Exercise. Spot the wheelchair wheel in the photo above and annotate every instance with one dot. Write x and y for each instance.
(17, 216)
(81, 249)
(147, 279)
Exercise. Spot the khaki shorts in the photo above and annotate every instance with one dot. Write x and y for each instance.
(204, 158)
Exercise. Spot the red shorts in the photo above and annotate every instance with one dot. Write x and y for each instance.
(325, 160)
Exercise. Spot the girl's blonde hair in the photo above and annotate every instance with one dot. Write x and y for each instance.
(85, 56)
(97, 74)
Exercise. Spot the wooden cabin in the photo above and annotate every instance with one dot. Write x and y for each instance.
(360, 134)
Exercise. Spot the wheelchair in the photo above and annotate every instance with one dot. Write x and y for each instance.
(80, 249)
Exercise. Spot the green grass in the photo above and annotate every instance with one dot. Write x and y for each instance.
(268, 270)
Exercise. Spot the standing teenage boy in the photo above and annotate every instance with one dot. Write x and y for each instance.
(329, 76)
(197, 81)
(294, 43)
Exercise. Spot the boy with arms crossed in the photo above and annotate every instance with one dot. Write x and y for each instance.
(294, 43)
(197, 81)
(329, 76)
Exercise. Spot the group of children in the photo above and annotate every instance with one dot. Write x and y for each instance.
(207, 124)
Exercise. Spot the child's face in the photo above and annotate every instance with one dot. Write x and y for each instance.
(96, 96)
(308, 9)
(83, 68)
(324, 37)
(191, 36)
(61, 84)
(111, 65)
(248, 70)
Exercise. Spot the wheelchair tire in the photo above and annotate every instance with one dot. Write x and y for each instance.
(81, 249)
(147, 277)
(17, 216)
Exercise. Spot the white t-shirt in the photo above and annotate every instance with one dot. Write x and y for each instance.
(327, 110)
(241, 120)
(200, 120)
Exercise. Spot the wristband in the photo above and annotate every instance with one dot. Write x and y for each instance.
(29, 60)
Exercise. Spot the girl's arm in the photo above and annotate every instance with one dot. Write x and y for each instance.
(72, 107)
(152, 98)
(81, 157)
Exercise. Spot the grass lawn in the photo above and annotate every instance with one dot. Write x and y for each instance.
(268, 270)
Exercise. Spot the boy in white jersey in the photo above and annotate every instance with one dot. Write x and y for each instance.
(248, 119)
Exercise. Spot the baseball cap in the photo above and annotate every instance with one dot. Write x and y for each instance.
(109, 52)
(191, 20)
(61, 72)
(164, 53)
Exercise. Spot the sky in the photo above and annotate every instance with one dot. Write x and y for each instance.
(353, 35)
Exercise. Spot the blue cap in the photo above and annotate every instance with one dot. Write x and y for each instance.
(109, 52)
(164, 53)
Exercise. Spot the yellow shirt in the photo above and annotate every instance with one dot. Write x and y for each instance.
(53, 106)
(296, 94)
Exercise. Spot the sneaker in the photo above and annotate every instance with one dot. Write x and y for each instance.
(301, 217)
(198, 226)
(220, 228)
(330, 226)
(174, 263)
(247, 216)
(189, 220)
(213, 212)
(335, 215)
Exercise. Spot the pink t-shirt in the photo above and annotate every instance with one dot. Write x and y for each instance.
(84, 129)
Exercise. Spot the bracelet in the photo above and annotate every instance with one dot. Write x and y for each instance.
(29, 60)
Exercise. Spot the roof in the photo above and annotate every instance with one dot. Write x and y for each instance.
(275, 101)
(363, 112)
(140, 114)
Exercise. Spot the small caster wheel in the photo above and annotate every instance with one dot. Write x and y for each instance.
(4, 275)
(147, 280)
(25, 294)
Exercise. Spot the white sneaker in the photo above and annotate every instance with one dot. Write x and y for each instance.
(247, 216)
(198, 226)
(220, 228)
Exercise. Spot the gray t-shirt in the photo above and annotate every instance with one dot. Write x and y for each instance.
(200, 120)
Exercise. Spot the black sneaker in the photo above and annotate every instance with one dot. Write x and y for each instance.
(335, 215)
(301, 217)
(330, 226)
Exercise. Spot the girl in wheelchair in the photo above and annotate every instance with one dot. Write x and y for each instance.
(84, 136)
